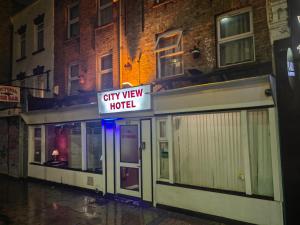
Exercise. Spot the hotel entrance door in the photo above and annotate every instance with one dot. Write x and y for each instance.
(128, 158)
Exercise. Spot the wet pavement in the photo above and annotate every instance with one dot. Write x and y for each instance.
(25, 202)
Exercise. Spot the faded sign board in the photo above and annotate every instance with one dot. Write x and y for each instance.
(9, 94)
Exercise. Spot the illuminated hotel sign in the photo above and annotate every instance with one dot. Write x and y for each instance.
(125, 100)
(9, 94)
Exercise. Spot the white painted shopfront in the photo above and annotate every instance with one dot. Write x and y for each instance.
(210, 148)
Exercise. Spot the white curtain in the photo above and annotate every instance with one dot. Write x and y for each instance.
(207, 151)
(260, 152)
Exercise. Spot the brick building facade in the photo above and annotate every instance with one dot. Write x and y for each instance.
(197, 145)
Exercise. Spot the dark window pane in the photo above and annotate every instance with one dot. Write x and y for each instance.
(74, 12)
(234, 25)
(37, 144)
(105, 2)
(75, 87)
(106, 62)
(129, 178)
(106, 81)
(74, 71)
(129, 144)
(106, 15)
(40, 40)
(74, 29)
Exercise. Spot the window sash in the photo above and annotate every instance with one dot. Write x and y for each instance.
(73, 20)
(101, 9)
(235, 37)
(71, 79)
(165, 35)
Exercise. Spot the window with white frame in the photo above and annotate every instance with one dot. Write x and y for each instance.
(39, 82)
(169, 51)
(235, 38)
(39, 29)
(105, 12)
(73, 20)
(37, 144)
(106, 72)
(163, 144)
(73, 81)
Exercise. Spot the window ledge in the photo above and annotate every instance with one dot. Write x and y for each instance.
(21, 59)
(156, 5)
(70, 40)
(168, 78)
(100, 27)
(38, 51)
(63, 168)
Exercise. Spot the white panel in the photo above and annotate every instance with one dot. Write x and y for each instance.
(239, 208)
(224, 95)
(146, 163)
(36, 171)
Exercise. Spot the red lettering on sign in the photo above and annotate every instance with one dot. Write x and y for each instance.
(139, 92)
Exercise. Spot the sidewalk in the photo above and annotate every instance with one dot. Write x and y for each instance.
(31, 203)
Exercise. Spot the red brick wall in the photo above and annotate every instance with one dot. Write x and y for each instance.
(197, 20)
(92, 43)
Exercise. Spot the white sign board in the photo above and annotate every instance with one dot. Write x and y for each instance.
(125, 100)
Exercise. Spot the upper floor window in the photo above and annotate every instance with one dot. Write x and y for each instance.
(169, 51)
(22, 45)
(105, 12)
(235, 38)
(22, 41)
(106, 72)
(73, 81)
(39, 32)
(73, 20)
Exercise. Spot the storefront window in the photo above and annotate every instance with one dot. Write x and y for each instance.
(63, 145)
(94, 147)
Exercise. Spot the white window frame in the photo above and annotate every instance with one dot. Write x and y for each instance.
(106, 70)
(70, 78)
(169, 140)
(37, 31)
(178, 43)
(100, 8)
(235, 37)
(71, 22)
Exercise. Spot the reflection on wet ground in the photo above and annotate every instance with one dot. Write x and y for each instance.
(24, 202)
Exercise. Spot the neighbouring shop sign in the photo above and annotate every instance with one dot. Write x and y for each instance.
(125, 100)
(9, 94)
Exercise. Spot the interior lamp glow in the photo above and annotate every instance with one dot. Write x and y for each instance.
(55, 154)
(298, 18)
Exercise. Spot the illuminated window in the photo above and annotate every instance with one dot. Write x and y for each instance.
(105, 12)
(106, 72)
(73, 20)
(235, 38)
(169, 54)
(74, 85)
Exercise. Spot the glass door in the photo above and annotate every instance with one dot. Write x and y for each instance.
(128, 160)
